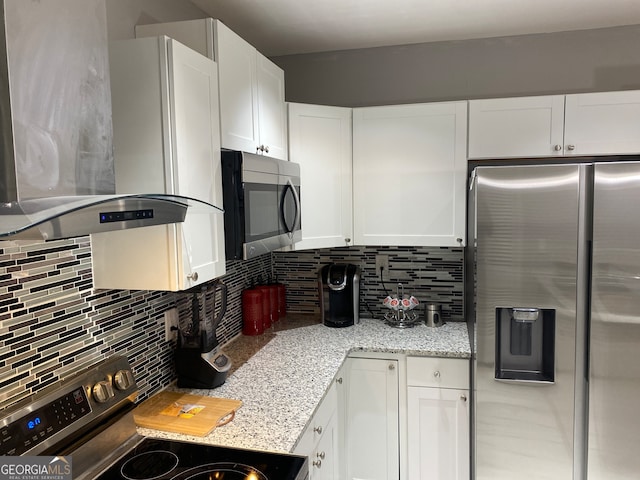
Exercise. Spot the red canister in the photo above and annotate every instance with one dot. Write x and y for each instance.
(252, 314)
(266, 305)
(275, 310)
(282, 299)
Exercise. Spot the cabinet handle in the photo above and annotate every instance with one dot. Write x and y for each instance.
(557, 148)
(392, 366)
(463, 397)
(347, 240)
(459, 240)
(193, 276)
(318, 429)
(320, 455)
(266, 149)
(571, 147)
(339, 380)
(317, 463)
(436, 374)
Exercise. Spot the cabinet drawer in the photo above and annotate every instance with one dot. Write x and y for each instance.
(438, 372)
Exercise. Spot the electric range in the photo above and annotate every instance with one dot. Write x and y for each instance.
(89, 418)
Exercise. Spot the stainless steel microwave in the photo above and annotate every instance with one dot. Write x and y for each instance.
(261, 204)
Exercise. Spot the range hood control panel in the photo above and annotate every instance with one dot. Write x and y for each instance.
(108, 217)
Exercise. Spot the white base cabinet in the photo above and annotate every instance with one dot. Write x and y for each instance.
(320, 141)
(371, 419)
(166, 140)
(438, 418)
(602, 123)
(392, 417)
(322, 441)
(252, 107)
(409, 174)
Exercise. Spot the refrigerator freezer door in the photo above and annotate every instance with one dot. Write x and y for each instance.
(614, 386)
(526, 250)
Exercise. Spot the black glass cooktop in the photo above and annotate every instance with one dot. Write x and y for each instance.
(163, 459)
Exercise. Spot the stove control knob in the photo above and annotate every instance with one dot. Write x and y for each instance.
(102, 391)
(123, 379)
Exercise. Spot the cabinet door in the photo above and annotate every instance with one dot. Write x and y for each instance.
(272, 111)
(438, 433)
(320, 440)
(603, 123)
(238, 90)
(197, 171)
(324, 459)
(516, 127)
(372, 419)
(320, 141)
(165, 141)
(409, 174)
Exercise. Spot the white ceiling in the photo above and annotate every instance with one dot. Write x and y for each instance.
(282, 27)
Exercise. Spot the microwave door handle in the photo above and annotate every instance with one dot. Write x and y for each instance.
(296, 197)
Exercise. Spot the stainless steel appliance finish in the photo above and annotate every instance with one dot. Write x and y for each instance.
(56, 154)
(614, 381)
(89, 417)
(533, 229)
(262, 210)
(52, 419)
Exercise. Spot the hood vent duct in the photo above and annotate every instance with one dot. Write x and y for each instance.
(57, 176)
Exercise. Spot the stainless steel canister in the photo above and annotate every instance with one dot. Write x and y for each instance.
(433, 317)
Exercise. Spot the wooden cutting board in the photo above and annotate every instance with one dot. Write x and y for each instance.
(184, 413)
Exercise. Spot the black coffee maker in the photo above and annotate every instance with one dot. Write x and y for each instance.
(198, 362)
(339, 290)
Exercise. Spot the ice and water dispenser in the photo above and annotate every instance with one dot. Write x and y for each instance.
(525, 344)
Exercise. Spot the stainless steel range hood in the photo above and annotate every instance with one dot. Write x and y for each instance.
(57, 175)
(64, 217)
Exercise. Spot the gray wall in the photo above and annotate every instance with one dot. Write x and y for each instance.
(568, 62)
(124, 15)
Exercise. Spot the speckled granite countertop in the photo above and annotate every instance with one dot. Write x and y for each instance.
(282, 376)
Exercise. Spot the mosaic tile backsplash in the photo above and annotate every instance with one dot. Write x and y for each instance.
(432, 275)
(53, 323)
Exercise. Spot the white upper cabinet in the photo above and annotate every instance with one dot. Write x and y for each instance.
(409, 174)
(516, 127)
(166, 140)
(272, 111)
(605, 123)
(238, 90)
(252, 107)
(320, 141)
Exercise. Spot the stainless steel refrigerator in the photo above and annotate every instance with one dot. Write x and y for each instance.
(554, 252)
